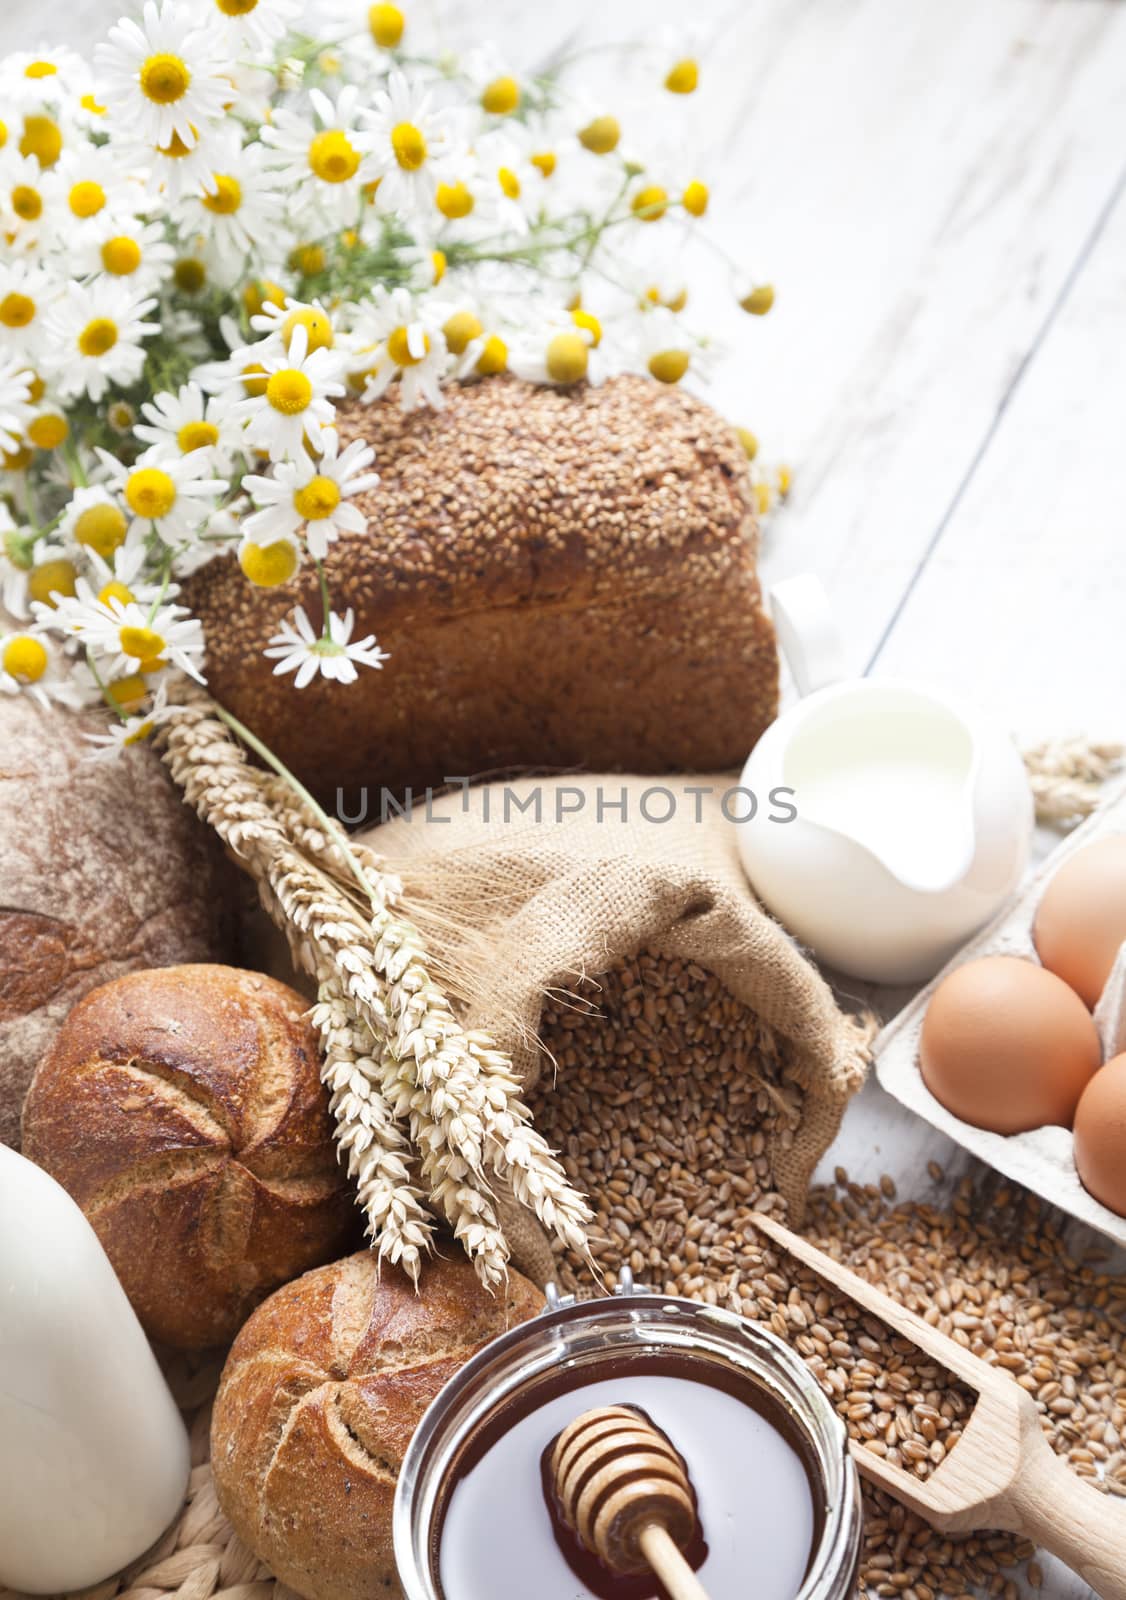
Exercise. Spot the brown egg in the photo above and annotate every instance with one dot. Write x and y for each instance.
(1100, 1136)
(1008, 1046)
(1081, 920)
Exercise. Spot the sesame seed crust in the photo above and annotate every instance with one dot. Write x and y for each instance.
(562, 577)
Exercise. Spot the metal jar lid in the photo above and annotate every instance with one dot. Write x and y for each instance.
(584, 1335)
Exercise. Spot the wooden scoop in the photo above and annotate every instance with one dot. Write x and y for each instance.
(1002, 1473)
(626, 1493)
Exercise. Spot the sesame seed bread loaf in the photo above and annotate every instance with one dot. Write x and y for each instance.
(319, 1398)
(562, 579)
(104, 870)
(183, 1110)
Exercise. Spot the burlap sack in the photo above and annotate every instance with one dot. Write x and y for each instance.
(516, 907)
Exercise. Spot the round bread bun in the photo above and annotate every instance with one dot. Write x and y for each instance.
(318, 1401)
(182, 1108)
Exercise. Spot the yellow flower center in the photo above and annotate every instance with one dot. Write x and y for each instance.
(289, 392)
(89, 103)
(3, 134)
(333, 157)
(267, 565)
(141, 643)
(237, 8)
(176, 149)
(197, 436)
(669, 366)
(165, 79)
(695, 198)
(40, 69)
(308, 259)
(121, 416)
(567, 358)
(601, 136)
(48, 431)
(16, 310)
(409, 145)
(587, 320)
(42, 138)
(317, 326)
(262, 292)
(139, 735)
(454, 200)
(189, 275)
(398, 348)
(150, 493)
(650, 203)
(98, 337)
(87, 198)
(318, 499)
(114, 591)
(121, 255)
(50, 578)
(501, 97)
(24, 658)
(18, 460)
(27, 202)
(544, 162)
(683, 77)
(749, 442)
(386, 24)
(494, 357)
(509, 182)
(461, 329)
(128, 694)
(759, 301)
(101, 528)
(227, 197)
(438, 262)
(254, 379)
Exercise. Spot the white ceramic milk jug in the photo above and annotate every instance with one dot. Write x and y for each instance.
(94, 1457)
(914, 815)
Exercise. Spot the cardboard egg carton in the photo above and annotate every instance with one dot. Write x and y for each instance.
(1043, 1159)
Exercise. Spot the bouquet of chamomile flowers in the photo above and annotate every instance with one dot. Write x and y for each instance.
(217, 229)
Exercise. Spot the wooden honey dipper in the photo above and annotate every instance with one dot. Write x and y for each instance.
(625, 1491)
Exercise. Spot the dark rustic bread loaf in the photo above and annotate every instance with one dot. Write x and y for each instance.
(183, 1110)
(562, 578)
(104, 871)
(320, 1395)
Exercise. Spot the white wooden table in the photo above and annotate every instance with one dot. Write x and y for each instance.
(938, 192)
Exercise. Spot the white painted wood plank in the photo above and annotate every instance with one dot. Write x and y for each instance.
(1029, 577)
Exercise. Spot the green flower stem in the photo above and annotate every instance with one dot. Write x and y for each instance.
(74, 462)
(331, 827)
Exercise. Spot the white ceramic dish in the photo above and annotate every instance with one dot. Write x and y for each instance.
(1043, 1160)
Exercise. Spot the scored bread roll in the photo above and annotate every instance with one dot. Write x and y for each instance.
(182, 1108)
(320, 1395)
(563, 578)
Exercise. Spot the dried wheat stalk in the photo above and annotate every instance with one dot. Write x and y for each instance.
(409, 1086)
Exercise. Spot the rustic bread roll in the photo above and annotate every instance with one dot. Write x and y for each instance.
(320, 1395)
(183, 1110)
(104, 871)
(562, 578)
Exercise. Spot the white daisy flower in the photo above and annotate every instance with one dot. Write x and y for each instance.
(493, 82)
(26, 298)
(413, 146)
(88, 188)
(137, 638)
(29, 665)
(322, 157)
(238, 212)
(173, 168)
(25, 200)
(130, 729)
(189, 424)
(295, 402)
(97, 331)
(255, 26)
(398, 335)
(165, 77)
(50, 76)
(15, 402)
(313, 495)
(298, 648)
(130, 251)
(171, 498)
(279, 323)
(95, 520)
(668, 350)
(558, 352)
